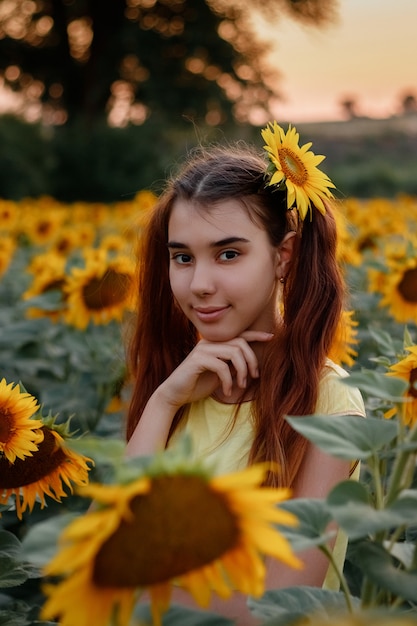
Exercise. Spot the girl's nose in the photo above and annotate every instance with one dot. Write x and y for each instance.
(202, 282)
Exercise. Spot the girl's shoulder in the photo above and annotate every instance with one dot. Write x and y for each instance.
(335, 397)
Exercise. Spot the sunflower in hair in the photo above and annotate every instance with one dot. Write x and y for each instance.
(295, 168)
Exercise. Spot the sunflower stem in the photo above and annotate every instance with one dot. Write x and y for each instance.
(343, 583)
(403, 469)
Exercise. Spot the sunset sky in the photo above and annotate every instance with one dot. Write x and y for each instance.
(370, 56)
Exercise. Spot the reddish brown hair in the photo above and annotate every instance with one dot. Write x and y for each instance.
(312, 301)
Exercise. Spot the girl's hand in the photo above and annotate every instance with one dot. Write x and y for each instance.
(212, 364)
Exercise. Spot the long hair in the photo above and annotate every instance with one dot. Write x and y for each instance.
(312, 303)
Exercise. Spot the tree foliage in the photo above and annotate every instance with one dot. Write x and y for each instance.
(127, 59)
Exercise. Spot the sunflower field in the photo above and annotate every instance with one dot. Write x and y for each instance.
(67, 296)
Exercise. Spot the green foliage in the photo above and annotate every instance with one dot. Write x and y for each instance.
(25, 159)
(76, 373)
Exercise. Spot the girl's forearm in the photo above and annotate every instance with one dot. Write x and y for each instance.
(152, 430)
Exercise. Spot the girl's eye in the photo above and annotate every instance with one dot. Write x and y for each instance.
(181, 258)
(228, 255)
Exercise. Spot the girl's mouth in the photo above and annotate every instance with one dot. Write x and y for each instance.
(210, 314)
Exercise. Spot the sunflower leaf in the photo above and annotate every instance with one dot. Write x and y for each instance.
(40, 543)
(181, 616)
(313, 517)
(349, 505)
(379, 567)
(346, 436)
(282, 607)
(378, 385)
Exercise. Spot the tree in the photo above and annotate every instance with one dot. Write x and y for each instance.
(128, 59)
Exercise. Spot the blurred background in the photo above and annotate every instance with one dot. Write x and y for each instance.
(100, 98)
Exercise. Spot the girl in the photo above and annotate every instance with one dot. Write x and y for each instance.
(240, 299)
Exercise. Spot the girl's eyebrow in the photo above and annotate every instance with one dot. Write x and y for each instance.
(215, 244)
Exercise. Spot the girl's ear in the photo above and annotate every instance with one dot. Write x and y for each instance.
(284, 256)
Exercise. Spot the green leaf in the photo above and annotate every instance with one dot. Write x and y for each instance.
(181, 616)
(99, 449)
(378, 566)
(281, 607)
(346, 437)
(349, 505)
(12, 572)
(40, 543)
(22, 332)
(378, 385)
(9, 544)
(384, 340)
(348, 491)
(313, 516)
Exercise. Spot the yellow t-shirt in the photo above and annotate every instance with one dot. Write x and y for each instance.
(209, 423)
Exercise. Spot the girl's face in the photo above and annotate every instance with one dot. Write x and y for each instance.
(223, 270)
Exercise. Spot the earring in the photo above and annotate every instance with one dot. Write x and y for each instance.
(282, 279)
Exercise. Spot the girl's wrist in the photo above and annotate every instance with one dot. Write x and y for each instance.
(163, 398)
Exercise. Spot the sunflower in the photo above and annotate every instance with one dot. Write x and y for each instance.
(41, 224)
(43, 473)
(399, 290)
(342, 350)
(101, 291)
(49, 270)
(19, 434)
(167, 527)
(407, 370)
(9, 215)
(296, 168)
(7, 249)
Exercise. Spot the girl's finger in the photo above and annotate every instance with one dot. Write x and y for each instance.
(256, 335)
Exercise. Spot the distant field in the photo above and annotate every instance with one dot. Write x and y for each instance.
(368, 157)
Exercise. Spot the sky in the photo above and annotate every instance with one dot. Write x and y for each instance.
(369, 56)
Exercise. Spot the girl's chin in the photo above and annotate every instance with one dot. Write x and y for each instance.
(217, 337)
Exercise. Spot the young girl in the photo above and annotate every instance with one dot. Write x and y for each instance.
(240, 299)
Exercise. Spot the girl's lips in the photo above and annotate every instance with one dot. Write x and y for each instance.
(210, 314)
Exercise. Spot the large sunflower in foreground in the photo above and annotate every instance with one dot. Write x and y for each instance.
(204, 534)
(19, 434)
(407, 370)
(44, 473)
(101, 291)
(296, 168)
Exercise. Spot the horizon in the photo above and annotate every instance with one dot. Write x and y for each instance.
(367, 56)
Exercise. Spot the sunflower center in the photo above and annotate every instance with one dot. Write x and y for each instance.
(412, 390)
(408, 285)
(109, 290)
(292, 166)
(180, 525)
(32, 468)
(5, 426)
(55, 284)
